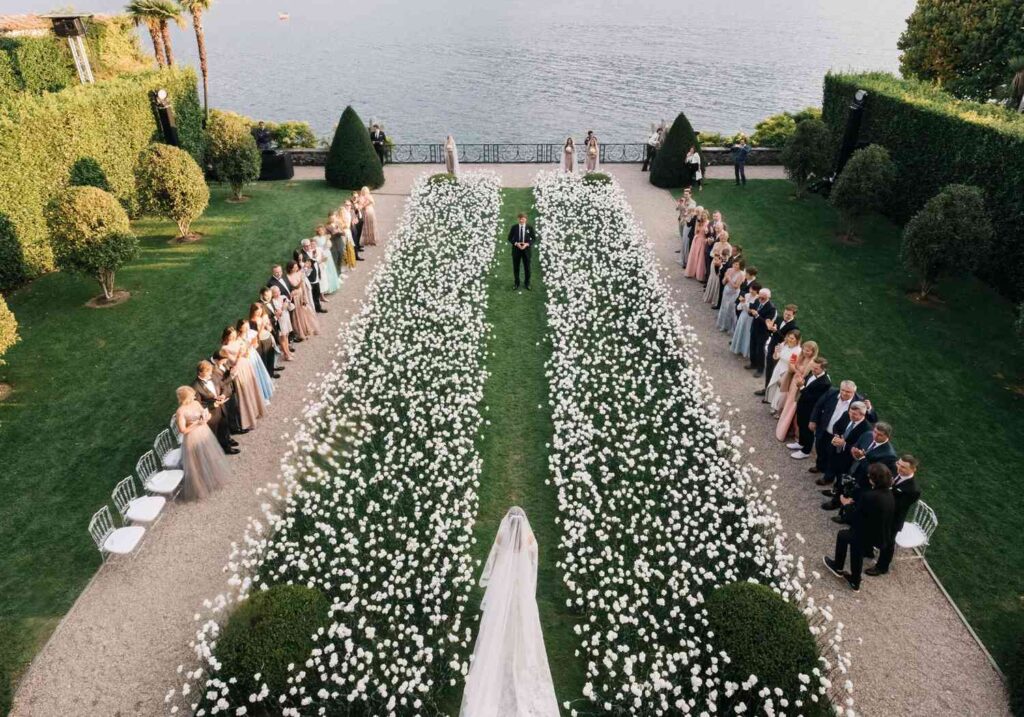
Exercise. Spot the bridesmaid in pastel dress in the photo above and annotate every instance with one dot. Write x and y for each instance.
(740, 343)
(202, 458)
(786, 355)
(696, 267)
(282, 309)
(569, 156)
(304, 320)
(369, 237)
(786, 429)
(248, 341)
(721, 252)
(348, 251)
(250, 401)
(330, 282)
(593, 154)
(730, 292)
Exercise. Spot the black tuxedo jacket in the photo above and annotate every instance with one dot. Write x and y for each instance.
(826, 406)
(810, 393)
(852, 440)
(884, 454)
(205, 397)
(872, 517)
(271, 312)
(378, 137)
(301, 256)
(776, 337)
(905, 494)
(528, 233)
(282, 284)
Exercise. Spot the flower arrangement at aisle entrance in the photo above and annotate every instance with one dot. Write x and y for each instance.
(379, 489)
(657, 506)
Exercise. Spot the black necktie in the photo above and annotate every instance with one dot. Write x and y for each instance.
(522, 229)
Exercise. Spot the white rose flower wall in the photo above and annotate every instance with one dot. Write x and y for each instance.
(379, 491)
(656, 504)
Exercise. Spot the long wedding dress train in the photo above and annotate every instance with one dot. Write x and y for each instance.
(509, 675)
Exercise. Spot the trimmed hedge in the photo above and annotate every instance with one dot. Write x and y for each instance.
(669, 167)
(266, 633)
(763, 635)
(43, 137)
(936, 140)
(351, 160)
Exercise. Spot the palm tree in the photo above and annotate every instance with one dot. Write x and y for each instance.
(166, 12)
(1017, 83)
(141, 12)
(195, 8)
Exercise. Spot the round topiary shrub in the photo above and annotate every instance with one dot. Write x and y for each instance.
(596, 178)
(90, 235)
(87, 172)
(808, 153)
(266, 633)
(351, 161)
(763, 635)
(8, 329)
(171, 184)
(669, 167)
(863, 186)
(232, 151)
(442, 178)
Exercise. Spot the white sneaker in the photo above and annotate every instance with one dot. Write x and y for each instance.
(799, 455)
(794, 446)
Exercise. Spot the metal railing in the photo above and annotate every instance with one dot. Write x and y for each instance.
(524, 153)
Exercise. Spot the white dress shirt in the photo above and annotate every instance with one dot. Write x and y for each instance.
(841, 408)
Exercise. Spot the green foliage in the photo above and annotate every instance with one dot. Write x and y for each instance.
(351, 160)
(773, 131)
(763, 635)
(232, 151)
(950, 236)
(40, 64)
(1019, 326)
(42, 137)
(963, 46)
(808, 153)
(171, 184)
(87, 172)
(292, 135)
(937, 140)
(717, 139)
(864, 185)
(90, 235)
(266, 633)
(1015, 678)
(442, 178)
(596, 178)
(668, 169)
(8, 329)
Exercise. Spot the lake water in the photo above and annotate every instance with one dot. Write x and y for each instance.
(530, 70)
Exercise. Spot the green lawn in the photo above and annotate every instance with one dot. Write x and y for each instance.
(948, 378)
(94, 387)
(515, 457)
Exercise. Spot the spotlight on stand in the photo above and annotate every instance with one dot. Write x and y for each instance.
(165, 116)
(849, 144)
(72, 27)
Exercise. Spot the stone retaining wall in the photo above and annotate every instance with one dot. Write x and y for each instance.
(712, 155)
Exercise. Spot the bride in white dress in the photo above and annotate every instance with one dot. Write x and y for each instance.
(509, 674)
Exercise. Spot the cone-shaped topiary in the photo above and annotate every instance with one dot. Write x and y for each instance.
(669, 167)
(351, 161)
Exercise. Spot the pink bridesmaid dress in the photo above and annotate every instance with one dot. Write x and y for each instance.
(696, 262)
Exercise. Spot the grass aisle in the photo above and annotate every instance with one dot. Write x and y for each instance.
(514, 450)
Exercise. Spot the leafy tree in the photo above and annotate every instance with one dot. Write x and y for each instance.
(232, 151)
(143, 13)
(196, 8)
(950, 235)
(90, 235)
(963, 45)
(773, 131)
(1015, 89)
(669, 167)
(808, 153)
(170, 183)
(351, 160)
(864, 185)
(166, 12)
(8, 329)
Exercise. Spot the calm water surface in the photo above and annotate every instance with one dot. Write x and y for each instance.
(531, 70)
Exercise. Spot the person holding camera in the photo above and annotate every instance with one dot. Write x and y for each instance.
(871, 449)
(871, 522)
(905, 493)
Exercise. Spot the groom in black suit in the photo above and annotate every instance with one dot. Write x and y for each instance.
(210, 393)
(521, 236)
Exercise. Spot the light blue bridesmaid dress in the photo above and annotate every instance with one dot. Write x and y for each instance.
(329, 281)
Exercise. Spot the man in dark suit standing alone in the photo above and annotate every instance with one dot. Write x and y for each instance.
(521, 236)
(379, 140)
(870, 526)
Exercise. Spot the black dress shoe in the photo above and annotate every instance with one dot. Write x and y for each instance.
(760, 393)
(242, 431)
(874, 572)
(758, 374)
(830, 505)
(280, 368)
(232, 451)
(296, 340)
(359, 258)
(814, 469)
(824, 481)
(515, 287)
(528, 288)
(840, 520)
(749, 366)
(855, 586)
(232, 443)
(275, 375)
(833, 566)
(827, 492)
(321, 311)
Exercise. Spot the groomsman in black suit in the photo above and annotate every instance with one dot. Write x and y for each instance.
(811, 388)
(759, 331)
(278, 279)
(379, 140)
(776, 335)
(905, 492)
(824, 415)
(521, 236)
(210, 394)
(871, 449)
(226, 387)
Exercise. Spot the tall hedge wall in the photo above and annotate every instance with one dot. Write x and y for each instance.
(937, 140)
(42, 137)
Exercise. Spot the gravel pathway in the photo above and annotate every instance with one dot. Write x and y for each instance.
(116, 652)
